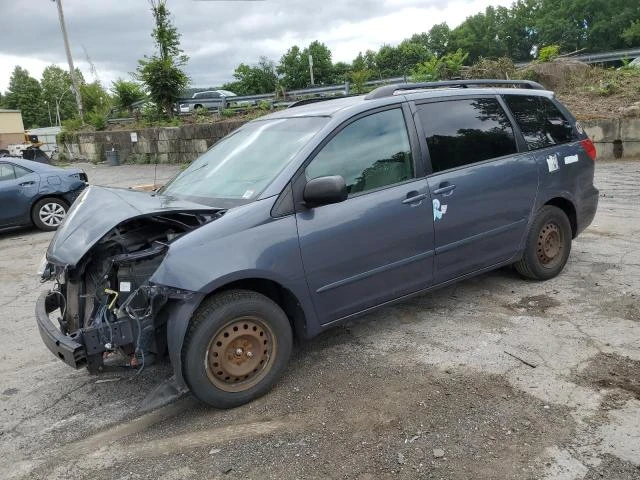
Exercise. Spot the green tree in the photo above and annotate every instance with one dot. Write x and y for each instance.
(162, 73)
(341, 71)
(126, 93)
(25, 94)
(631, 34)
(57, 92)
(254, 79)
(95, 98)
(438, 39)
(294, 66)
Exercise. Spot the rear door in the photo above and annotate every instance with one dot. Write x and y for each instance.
(17, 188)
(482, 189)
(378, 244)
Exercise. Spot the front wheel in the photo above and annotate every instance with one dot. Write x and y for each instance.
(548, 245)
(48, 213)
(236, 348)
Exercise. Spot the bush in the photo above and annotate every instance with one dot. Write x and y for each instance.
(264, 105)
(228, 112)
(97, 120)
(549, 53)
(443, 68)
(501, 69)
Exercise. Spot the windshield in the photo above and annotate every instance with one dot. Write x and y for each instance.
(240, 166)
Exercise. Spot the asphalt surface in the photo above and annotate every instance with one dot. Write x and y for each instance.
(494, 377)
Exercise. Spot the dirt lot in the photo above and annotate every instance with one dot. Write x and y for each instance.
(435, 387)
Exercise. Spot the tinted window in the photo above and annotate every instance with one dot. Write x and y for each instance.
(540, 121)
(6, 172)
(370, 153)
(461, 132)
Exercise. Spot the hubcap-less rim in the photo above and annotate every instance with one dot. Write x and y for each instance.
(240, 354)
(550, 245)
(52, 214)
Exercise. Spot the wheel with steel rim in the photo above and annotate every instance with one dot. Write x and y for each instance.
(237, 346)
(548, 245)
(48, 213)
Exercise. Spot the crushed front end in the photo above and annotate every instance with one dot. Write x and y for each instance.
(102, 310)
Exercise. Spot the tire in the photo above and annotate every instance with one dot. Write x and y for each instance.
(547, 246)
(48, 213)
(220, 362)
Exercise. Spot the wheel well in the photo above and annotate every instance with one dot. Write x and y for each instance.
(279, 294)
(570, 211)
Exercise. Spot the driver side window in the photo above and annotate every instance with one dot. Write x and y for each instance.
(370, 153)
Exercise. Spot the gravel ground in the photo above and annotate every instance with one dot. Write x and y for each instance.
(435, 387)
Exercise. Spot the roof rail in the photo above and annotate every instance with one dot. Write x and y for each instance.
(306, 101)
(389, 90)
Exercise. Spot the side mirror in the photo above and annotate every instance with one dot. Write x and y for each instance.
(325, 190)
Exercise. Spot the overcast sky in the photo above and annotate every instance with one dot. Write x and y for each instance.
(216, 34)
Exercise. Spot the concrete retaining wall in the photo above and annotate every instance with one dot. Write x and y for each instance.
(158, 144)
(615, 138)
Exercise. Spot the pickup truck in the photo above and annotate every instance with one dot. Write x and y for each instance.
(210, 100)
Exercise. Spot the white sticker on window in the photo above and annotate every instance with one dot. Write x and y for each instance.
(552, 162)
(125, 286)
(570, 159)
(248, 194)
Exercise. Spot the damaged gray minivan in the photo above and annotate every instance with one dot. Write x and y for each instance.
(309, 216)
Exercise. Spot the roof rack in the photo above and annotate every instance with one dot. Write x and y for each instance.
(389, 90)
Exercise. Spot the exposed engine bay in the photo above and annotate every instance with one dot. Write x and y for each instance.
(107, 304)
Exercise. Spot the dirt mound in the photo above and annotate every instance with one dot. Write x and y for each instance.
(556, 74)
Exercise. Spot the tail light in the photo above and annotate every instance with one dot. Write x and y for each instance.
(589, 148)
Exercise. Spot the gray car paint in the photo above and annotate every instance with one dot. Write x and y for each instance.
(97, 210)
(17, 196)
(342, 260)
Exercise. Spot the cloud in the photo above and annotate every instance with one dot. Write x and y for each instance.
(217, 35)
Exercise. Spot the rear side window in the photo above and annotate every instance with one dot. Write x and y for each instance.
(370, 153)
(20, 171)
(540, 121)
(462, 132)
(6, 172)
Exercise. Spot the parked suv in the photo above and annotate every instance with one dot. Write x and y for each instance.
(310, 216)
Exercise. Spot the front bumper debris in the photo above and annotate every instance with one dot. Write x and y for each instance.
(65, 347)
(84, 346)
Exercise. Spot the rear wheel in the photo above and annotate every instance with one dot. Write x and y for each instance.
(548, 245)
(237, 347)
(48, 213)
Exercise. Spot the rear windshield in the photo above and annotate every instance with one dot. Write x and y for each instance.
(239, 167)
(540, 121)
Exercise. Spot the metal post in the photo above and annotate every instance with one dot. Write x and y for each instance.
(311, 68)
(72, 71)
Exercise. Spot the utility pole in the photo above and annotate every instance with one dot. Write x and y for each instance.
(72, 71)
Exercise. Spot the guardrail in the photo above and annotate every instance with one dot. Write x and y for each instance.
(601, 57)
(290, 96)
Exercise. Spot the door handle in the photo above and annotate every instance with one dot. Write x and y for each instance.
(414, 198)
(446, 189)
(26, 184)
